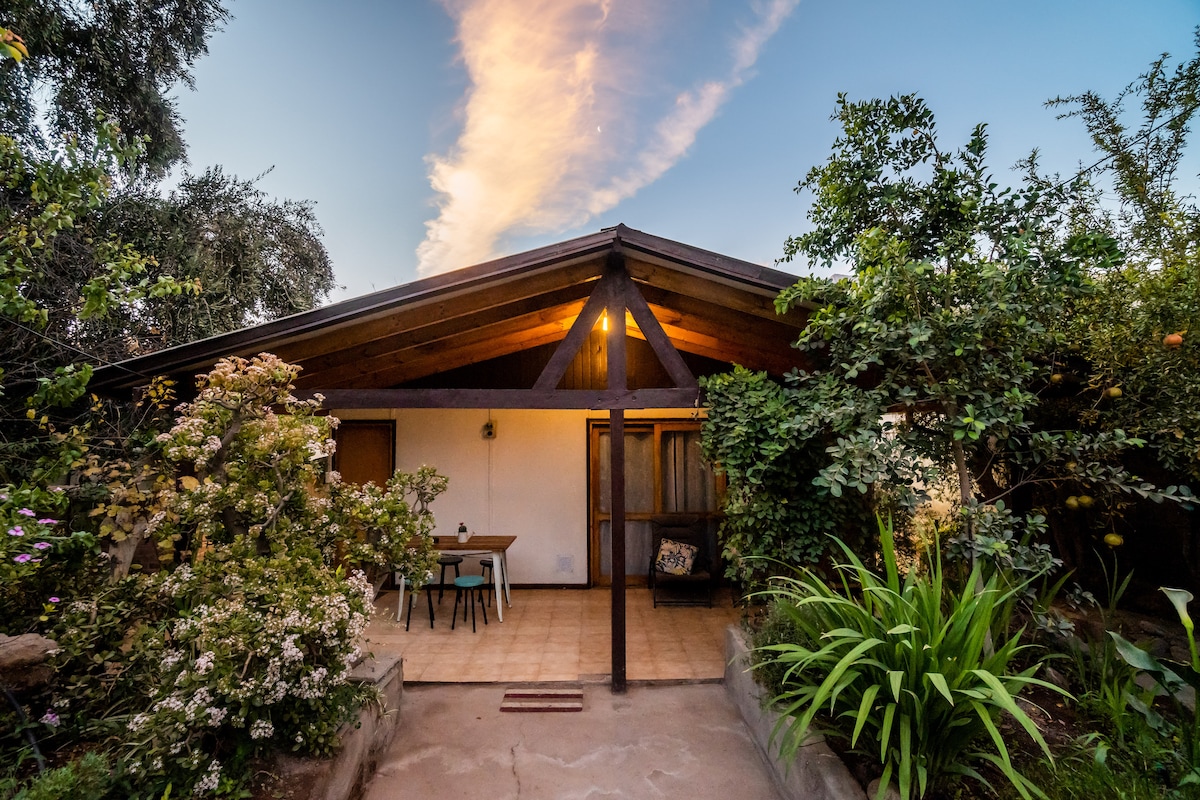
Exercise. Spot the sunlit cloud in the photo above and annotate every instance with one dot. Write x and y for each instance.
(551, 129)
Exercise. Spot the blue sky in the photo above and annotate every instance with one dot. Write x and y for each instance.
(540, 120)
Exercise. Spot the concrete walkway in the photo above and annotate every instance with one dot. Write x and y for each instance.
(657, 741)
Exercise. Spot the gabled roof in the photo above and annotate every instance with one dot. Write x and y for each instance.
(709, 305)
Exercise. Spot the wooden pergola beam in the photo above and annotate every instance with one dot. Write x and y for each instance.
(617, 381)
(590, 399)
(650, 327)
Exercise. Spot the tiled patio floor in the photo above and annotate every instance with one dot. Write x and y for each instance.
(555, 635)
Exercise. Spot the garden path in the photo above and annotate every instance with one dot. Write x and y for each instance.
(682, 740)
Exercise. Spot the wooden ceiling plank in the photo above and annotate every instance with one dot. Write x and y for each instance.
(718, 293)
(482, 341)
(745, 338)
(776, 363)
(439, 309)
(417, 368)
(567, 300)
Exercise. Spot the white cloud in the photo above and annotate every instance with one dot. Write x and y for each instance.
(549, 122)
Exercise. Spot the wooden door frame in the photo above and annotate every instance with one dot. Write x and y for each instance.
(658, 426)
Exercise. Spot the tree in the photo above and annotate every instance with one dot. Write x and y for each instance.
(1127, 325)
(759, 435)
(250, 259)
(40, 199)
(938, 345)
(118, 57)
(79, 237)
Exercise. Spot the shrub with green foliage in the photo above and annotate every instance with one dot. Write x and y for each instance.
(771, 451)
(905, 668)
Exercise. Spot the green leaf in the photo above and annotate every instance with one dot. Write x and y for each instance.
(939, 682)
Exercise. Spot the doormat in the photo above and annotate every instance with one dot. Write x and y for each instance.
(542, 699)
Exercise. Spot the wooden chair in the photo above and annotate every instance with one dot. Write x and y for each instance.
(693, 588)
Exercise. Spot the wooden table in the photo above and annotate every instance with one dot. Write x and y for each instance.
(495, 546)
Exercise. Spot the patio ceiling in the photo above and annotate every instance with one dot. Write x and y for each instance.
(706, 304)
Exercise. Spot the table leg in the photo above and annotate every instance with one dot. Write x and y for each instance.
(498, 580)
(507, 587)
(400, 602)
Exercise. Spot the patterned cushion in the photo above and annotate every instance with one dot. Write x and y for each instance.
(676, 558)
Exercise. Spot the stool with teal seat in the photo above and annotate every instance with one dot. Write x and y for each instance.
(473, 586)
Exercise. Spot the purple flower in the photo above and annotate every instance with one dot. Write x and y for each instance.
(42, 545)
(25, 512)
(47, 521)
(16, 530)
(50, 718)
(55, 600)
(21, 559)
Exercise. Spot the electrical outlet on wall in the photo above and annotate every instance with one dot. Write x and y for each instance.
(566, 564)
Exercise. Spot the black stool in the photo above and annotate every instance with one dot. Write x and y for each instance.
(485, 568)
(447, 561)
(412, 599)
(473, 586)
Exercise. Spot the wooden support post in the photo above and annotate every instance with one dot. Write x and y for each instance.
(617, 381)
(616, 426)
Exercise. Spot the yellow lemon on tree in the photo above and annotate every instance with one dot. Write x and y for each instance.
(1114, 540)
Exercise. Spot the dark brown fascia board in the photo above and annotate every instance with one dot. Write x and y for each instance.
(201, 353)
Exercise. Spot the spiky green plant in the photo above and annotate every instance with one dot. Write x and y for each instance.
(905, 667)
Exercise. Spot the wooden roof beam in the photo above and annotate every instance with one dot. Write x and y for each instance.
(565, 302)
(442, 308)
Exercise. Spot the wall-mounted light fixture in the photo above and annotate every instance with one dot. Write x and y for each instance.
(604, 322)
(489, 430)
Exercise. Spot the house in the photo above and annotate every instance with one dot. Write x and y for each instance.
(522, 380)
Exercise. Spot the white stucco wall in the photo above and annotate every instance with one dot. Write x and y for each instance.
(530, 481)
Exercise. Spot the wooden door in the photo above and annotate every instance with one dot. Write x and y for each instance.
(366, 451)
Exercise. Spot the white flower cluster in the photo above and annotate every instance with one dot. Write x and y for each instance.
(210, 781)
(204, 663)
(262, 729)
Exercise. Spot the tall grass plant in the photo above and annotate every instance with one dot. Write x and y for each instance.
(904, 667)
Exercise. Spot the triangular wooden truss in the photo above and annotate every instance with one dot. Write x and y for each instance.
(614, 294)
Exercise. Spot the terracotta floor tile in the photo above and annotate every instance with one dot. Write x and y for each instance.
(554, 635)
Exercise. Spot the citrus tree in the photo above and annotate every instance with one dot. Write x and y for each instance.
(934, 352)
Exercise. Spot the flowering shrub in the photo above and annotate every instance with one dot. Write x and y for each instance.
(382, 527)
(245, 473)
(257, 658)
(243, 645)
(36, 549)
(263, 623)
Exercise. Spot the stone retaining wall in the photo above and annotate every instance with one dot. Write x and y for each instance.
(344, 775)
(816, 773)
